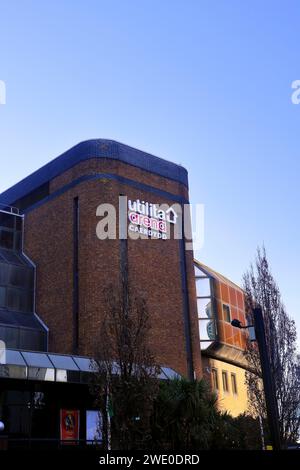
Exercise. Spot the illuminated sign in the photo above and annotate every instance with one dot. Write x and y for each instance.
(149, 219)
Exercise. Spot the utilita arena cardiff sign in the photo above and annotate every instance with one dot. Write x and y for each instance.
(149, 219)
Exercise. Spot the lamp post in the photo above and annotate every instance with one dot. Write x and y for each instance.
(268, 380)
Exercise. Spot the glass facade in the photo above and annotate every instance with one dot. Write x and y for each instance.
(225, 381)
(205, 308)
(10, 231)
(19, 326)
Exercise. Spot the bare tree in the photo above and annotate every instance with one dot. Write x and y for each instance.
(261, 289)
(126, 379)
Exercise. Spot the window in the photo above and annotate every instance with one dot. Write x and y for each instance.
(234, 384)
(11, 257)
(2, 297)
(93, 426)
(7, 239)
(10, 231)
(225, 381)
(214, 379)
(19, 224)
(4, 274)
(207, 324)
(18, 241)
(203, 287)
(7, 220)
(198, 271)
(207, 330)
(226, 313)
(21, 277)
(19, 300)
(204, 307)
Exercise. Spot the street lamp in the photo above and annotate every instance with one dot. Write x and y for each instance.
(268, 380)
(238, 324)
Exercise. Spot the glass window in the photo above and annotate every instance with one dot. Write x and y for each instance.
(37, 359)
(207, 330)
(32, 340)
(204, 307)
(84, 364)
(225, 381)
(19, 300)
(205, 345)
(41, 373)
(203, 287)
(7, 239)
(215, 379)
(10, 336)
(226, 313)
(18, 241)
(7, 220)
(2, 297)
(12, 257)
(64, 375)
(234, 384)
(19, 223)
(21, 277)
(198, 271)
(10, 371)
(93, 426)
(4, 274)
(63, 362)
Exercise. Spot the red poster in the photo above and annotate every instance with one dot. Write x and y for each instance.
(69, 426)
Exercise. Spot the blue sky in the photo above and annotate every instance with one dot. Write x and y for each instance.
(205, 84)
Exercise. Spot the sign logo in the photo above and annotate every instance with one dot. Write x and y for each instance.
(137, 218)
(149, 219)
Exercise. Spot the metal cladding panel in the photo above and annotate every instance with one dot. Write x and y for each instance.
(97, 148)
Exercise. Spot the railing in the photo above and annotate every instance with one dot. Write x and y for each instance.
(9, 209)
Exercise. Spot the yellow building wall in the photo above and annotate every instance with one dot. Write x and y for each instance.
(233, 403)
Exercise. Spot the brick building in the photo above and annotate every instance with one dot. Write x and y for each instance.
(73, 267)
(48, 234)
(55, 271)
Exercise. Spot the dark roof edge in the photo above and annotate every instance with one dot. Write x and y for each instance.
(94, 148)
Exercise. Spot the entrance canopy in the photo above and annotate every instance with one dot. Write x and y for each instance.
(41, 366)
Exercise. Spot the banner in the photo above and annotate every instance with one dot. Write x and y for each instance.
(69, 426)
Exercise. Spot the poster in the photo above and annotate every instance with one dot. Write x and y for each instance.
(69, 426)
